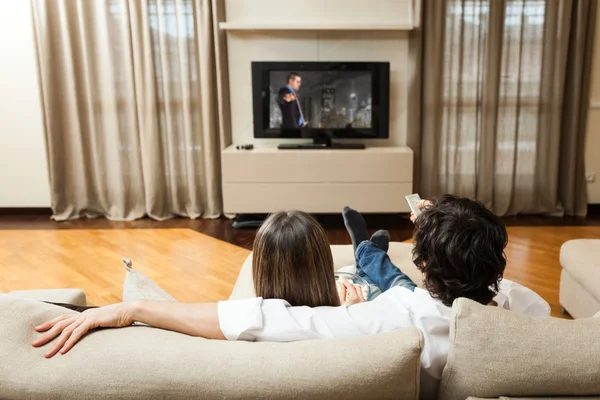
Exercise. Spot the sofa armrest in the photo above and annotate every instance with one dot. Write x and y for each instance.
(67, 296)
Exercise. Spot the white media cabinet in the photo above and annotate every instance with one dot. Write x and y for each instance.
(266, 179)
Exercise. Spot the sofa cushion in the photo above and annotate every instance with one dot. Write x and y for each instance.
(495, 353)
(343, 255)
(581, 258)
(143, 363)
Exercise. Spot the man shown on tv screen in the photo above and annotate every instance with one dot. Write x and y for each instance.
(291, 110)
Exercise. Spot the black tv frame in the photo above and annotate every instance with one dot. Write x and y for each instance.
(380, 96)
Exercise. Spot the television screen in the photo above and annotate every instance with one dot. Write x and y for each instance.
(320, 99)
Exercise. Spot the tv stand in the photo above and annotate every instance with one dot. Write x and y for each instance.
(266, 179)
(322, 143)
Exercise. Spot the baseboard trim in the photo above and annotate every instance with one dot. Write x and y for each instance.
(25, 211)
(593, 209)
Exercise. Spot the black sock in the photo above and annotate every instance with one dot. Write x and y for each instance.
(356, 226)
(381, 239)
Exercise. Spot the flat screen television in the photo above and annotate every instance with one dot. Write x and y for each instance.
(321, 100)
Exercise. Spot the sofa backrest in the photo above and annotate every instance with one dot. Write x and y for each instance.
(140, 362)
(496, 353)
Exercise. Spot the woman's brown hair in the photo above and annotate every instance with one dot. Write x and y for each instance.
(292, 261)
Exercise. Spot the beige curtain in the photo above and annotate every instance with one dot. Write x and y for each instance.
(131, 109)
(503, 103)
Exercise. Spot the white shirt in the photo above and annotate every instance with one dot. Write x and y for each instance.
(275, 320)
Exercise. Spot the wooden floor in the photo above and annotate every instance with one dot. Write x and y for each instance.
(193, 266)
(187, 264)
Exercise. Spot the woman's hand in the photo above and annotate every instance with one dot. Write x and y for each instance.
(68, 329)
(420, 205)
(349, 294)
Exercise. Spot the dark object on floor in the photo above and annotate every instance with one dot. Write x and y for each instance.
(248, 220)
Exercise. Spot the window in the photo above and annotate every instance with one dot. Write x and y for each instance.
(468, 55)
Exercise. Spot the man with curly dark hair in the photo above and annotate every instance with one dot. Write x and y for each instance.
(459, 250)
(458, 246)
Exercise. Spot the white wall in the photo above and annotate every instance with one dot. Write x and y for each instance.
(592, 145)
(23, 163)
(243, 47)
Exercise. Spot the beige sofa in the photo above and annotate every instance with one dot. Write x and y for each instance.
(493, 353)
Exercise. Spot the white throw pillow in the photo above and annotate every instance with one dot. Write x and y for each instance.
(138, 286)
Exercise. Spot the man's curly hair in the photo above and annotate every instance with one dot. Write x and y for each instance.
(459, 246)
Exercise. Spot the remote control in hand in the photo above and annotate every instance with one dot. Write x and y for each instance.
(413, 200)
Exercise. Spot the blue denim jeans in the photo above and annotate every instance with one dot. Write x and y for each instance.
(374, 266)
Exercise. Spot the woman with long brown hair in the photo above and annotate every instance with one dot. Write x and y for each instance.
(292, 261)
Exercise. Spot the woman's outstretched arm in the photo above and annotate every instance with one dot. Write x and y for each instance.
(195, 319)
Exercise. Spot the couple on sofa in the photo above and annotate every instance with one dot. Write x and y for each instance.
(458, 247)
